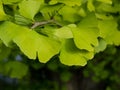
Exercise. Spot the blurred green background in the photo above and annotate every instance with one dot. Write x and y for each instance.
(17, 72)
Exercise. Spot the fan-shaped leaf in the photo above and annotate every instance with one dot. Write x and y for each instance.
(86, 34)
(30, 42)
(28, 8)
(71, 55)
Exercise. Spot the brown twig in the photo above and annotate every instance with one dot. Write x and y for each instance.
(36, 24)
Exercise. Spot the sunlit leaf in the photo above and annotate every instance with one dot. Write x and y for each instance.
(90, 5)
(28, 8)
(52, 2)
(10, 1)
(2, 13)
(109, 31)
(69, 14)
(49, 11)
(64, 32)
(71, 55)
(67, 2)
(71, 2)
(30, 42)
(86, 34)
(108, 8)
(106, 1)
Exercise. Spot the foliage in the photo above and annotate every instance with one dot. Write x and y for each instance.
(73, 30)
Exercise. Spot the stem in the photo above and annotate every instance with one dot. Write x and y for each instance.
(36, 24)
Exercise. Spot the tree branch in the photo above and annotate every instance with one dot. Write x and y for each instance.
(36, 24)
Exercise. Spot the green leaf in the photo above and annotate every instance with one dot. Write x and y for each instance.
(28, 8)
(67, 2)
(8, 31)
(63, 32)
(103, 16)
(71, 2)
(82, 12)
(109, 31)
(86, 34)
(2, 13)
(106, 1)
(69, 14)
(101, 47)
(90, 6)
(10, 1)
(108, 8)
(22, 20)
(16, 69)
(50, 10)
(4, 51)
(71, 55)
(44, 46)
(52, 2)
(29, 42)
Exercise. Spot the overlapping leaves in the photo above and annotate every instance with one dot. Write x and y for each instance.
(74, 38)
(31, 43)
(71, 55)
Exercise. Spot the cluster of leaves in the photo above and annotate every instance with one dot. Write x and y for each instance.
(75, 30)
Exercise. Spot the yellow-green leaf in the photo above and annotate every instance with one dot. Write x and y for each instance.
(30, 43)
(28, 8)
(86, 33)
(71, 55)
(2, 13)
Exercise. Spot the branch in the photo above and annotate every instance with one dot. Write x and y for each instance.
(36, 24)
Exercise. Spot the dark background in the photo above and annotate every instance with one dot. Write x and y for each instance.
(101, 73)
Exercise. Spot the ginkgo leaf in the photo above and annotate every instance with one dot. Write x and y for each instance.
(28, 8)
(102, 46)
(50, 10)
(67, 2)
(63, 32)
(82, 12)
(106, 1)
(103, 16)
(90, 5)
(86, 34)
(10, 1)
(16, 69)
(29, 42)
(69, 14)
(109, 31)
(71, 55)
(22, 20)
(53, 2)
(71, 2)
(8, 31)
(33, 43)
(108, 8)
(2, 13)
